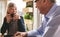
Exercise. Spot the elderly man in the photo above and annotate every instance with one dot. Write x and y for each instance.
(50, 25)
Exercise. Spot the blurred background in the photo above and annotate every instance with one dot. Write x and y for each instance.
(27, 9)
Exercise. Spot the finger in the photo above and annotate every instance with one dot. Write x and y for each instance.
(18, 33)
(16, 17)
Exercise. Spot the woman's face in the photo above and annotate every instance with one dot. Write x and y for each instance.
(12, 10)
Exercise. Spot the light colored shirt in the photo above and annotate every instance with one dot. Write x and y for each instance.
(54, 24)
(42, 29)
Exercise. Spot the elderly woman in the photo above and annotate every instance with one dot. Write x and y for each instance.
(12, 21)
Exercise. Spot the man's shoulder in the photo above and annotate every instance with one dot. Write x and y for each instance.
(58, 8)
(54, 21)
(56, 12)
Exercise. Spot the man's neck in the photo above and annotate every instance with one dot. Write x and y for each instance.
(49, 7)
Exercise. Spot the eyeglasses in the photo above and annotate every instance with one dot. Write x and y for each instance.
(36, 0)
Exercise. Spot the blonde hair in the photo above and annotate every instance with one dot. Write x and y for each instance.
(11, 4)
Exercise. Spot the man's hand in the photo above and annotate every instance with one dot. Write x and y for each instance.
(24, 34)
(1, 35)
(21, 34)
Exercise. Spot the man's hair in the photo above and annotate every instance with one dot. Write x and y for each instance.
(53, 1)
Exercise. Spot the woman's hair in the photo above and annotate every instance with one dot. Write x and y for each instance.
(10, 5)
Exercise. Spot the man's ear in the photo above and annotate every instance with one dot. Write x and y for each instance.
(43, 1)
(46, 1)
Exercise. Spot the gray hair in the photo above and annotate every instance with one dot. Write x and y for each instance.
(53, 1)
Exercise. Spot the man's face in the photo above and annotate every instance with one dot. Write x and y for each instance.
(12, 10)
(41, 5)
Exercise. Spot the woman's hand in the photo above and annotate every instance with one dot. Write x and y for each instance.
(16, 16)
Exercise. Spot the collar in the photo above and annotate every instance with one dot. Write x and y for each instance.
(50, 13)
